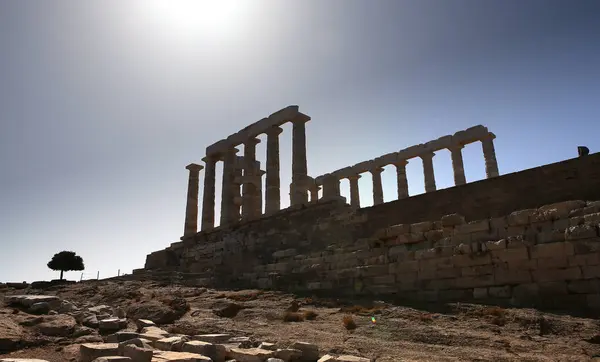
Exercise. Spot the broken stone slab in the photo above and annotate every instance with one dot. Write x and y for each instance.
(168, 356)
(243, 342)
(136, 353)
(100, 309)
(22, 360)
(268, 346)
(60, 325)
(90, 351)
(121, 336)
(141, 323)
(215, 352)
(171, 343)
(212, 338)
(90, 321)
(139, 342)
(29, 300)
(112, 324)
(113, 359)
(288, 354)
(310, 352)
(250, 354)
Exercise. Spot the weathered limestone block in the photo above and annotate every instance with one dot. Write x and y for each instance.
(550, 237)
(395, 230)
(421, 227)
(480, 293)
(496, 245)
(524, 293)
(471, 271)
(461, 261)
(310, 352)
(584, 259)
(137, 354)
(343, 358)
(562, 209)
(473, 226)
(552, 250)
(113, 359)
(403, 267)
(452, 220)
(557, 261)
(434, 235)
(171, 343)
(205, 349)
(590, 272)
(288, 354)
(168, 356)
(90, 351)
(521, 217)
(556, 274)
(499, 292)
(475, 281)
(589, 286)
(509, 255)
(411, 238)
(121, 336)
(284, 253)
(508, 276)
(592, 218)
(580, 232)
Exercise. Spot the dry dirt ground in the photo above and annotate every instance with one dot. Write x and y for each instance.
(464, 332)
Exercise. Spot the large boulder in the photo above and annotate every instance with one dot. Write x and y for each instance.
(11, 334)
(59, 325)
(27, 301)
(90, 351)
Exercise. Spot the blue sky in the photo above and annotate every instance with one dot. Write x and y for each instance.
(103, 103)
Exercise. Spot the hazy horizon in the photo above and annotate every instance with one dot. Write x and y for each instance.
(103, 104)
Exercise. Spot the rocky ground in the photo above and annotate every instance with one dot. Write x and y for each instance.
(91, 312)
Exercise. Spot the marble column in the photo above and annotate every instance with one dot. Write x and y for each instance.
(249, 188)
(258, 204)
(299, 193)
(273, 194)
(354, 193)
(208, 198)
(237, 198)
(401, 179)
(458, 165)
(314, 193)
(428, 171)
(331, 187)
(228, 190)
(191, 208)
(377, 187)
(489, 153)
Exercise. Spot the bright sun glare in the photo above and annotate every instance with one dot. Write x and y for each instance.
(210, 18)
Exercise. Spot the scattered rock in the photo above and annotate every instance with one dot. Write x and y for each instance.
(80, 331)
(268, 346)
(40, 308)
(137, 354)
(250, 354)
(121, 336)
(165, 356)
(60, 325)
(310, 352)
(11, 334)
(288, 354)
(229, 310)
(90, 351)
(212, 338)
(171, 343)
(113, 359)
(112, 324)
(141, 323)
(29, 300)
(158, 312)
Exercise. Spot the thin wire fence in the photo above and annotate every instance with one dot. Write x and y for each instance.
(98, 275)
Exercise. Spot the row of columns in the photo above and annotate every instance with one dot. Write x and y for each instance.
(248, 175)
(331, 182)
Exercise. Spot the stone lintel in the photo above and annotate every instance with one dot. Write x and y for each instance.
(440, 143)
(470, 135)
(412, 152)
(278, 118)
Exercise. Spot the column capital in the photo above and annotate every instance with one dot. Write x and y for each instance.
(456, 147)
(194, 167)
(401, 163)
(376, 170)
(300, 119)
(211, 158)
(427, 155)
(354, 177)
(251, 141)
(489, 136)
(274, 131)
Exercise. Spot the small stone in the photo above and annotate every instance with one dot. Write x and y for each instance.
(112, 324)
(203, 348)
(141, 323)
(171, 343)
(121, 336)
(164, 356)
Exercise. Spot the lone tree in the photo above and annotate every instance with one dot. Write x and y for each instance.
(65, 261)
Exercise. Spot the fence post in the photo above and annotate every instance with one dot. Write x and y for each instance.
(119, 273)
(98, 275)
(81, 277)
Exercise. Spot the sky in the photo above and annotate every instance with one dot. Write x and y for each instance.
(104, 103)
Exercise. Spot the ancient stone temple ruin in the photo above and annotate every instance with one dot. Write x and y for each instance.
(245, 171)
(528, 238)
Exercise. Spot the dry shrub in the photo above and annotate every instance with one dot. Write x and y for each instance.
(499, 321)
(294, 307)
(361, 310)
(293, 317)
(310, 315)
(494, 311)
(244, 296)
(348, 322)
(426, 317)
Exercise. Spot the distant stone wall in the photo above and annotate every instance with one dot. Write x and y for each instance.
(544, 256)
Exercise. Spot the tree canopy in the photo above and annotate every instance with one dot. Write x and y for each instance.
(66, 261)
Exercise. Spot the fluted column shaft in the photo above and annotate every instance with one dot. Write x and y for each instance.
(354, 193)
(208, 198)
(401, 179)
(458, 165)
(489, 153)
(298, 190)
(314, 193)
(331, 187)
(228, 190)
(191, 208)
(273, 194)
(428, 171)
(377, 186)
(258, 204)
(249, 188)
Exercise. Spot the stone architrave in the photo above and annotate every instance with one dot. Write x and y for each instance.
(191, 209)
(377, 186)
(401, 178)
(354, 192)
(249, 187)
(228, 190)
(428, 171)
(272, 192)
(299, 192)
(458, 165)
(489, 154)
(208, 198)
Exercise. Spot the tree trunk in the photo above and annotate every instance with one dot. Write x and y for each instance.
(61, 275)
